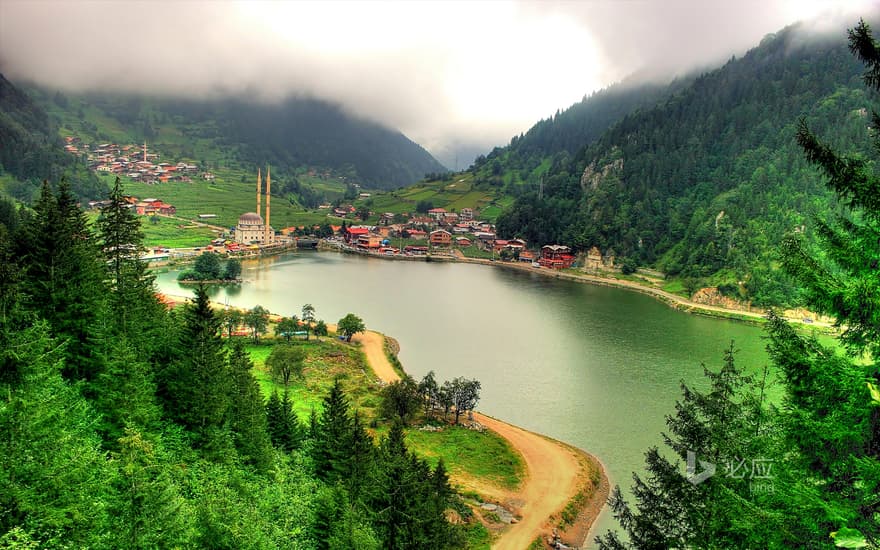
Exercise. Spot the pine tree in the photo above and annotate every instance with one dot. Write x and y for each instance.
(274, 419)
(195, 389)
(836, 400)
(293, 433)
(127, 393)
(284, 427)
(671, 510)
(53, 474)
(332, 449)
(133, 301)
(148, 511)
(247, 412)
(362, 461)
(62, 276)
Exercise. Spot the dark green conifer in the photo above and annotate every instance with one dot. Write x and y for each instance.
(247, 412)
(196, 387)
(53, 474)
(332, 449)
(62, 277)
(136, 311)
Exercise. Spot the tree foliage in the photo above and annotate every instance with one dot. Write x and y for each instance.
(401, 399)
(704, 180)
(286, 362)
(824, 444)
(350, 325)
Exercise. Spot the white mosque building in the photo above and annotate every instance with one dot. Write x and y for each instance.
(251, 228)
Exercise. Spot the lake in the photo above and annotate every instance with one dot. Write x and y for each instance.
(593, 366)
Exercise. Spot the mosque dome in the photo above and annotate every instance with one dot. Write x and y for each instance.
(250, 218)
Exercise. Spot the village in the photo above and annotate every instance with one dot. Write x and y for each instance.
(437, 234)
(133, 161)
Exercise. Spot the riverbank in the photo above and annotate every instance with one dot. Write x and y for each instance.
(556, 473)
(674, 301)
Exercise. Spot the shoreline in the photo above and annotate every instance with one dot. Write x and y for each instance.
(549, 464)
(674, 301)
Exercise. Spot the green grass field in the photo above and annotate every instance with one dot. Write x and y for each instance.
(327, 360)
(170, 233)
(452, 194)
(466, 453)
(469, 453)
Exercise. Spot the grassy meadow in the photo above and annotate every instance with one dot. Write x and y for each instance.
(453, 194)
(468, 455)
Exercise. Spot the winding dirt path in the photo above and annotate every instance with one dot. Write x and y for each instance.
(552, 481)
(552, 469)
(374, 348)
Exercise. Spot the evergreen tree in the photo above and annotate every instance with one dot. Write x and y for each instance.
(835, 402)
(338, 524)
(362, 461)
(127, 396)
(53, 474)
(148, 511)
(332, 437)
(674, 511)
(135, 307)
(62, 277)
(247, 412)
(284, 427)
(196, 388)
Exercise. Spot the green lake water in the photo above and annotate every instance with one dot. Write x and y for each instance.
(593, 366)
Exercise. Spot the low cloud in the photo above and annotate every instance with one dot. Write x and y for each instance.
(453, 76)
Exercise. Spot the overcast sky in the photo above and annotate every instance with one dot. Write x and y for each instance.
(452, 75)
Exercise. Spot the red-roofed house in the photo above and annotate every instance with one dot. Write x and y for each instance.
(353, 233)
(556, 256)
(440, 238)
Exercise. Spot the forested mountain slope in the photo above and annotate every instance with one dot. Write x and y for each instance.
(700, 184)
(30, 149)
(291, 135)
(569, 130)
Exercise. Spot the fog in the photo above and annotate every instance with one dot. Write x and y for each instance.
(456, 77)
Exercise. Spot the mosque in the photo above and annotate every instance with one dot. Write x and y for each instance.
(251, 228)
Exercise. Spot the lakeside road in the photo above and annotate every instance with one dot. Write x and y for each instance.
(553, 470)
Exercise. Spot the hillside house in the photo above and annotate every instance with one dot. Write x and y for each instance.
(466, 214)
(556, 256)
(440, 238)
(370, 242)
(353, 233)
(437, 213)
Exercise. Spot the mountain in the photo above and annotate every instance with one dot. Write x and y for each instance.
(494, 180)
(705, 181)
(294, 135)
(31, 150)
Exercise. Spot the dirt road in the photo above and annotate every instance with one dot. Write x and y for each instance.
(552, 470)
(552, 481)
(374, 348)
